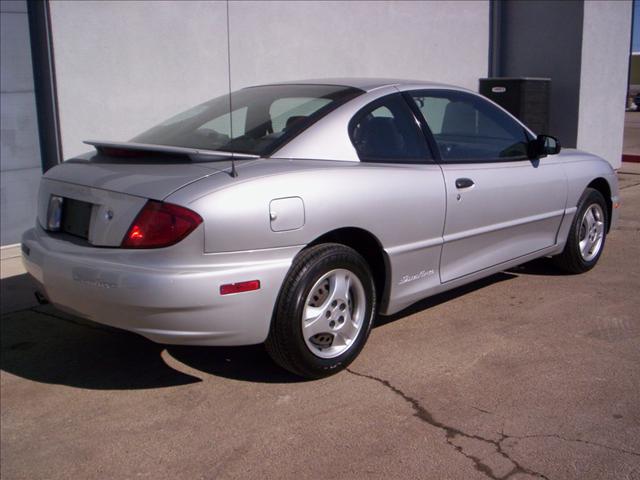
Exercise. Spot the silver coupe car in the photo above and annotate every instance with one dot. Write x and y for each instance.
(292, 214)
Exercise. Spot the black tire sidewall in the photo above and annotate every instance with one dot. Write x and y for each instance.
(589, 198)
(336, 257)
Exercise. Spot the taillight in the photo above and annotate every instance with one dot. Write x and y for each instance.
(160, 224)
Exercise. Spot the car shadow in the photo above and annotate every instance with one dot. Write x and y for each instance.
(42, 344)
(540, 266)
(16, 293)
(45, 345)
(249, 363)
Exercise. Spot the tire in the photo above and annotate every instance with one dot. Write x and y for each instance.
(324, 312)
(587, 235)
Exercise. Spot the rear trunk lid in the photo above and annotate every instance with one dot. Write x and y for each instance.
(155, 181)
(102, 192)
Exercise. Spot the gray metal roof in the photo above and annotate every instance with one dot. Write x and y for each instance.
(363, 83)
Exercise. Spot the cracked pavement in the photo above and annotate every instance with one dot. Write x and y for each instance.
(496, 444)
(528, 374)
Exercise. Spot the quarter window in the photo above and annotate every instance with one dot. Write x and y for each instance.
(467, 128)
(386, 131)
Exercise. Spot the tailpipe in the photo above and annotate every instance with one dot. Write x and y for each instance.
(42, 300)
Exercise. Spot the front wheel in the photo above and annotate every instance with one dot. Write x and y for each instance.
(587, 235)
(324, 312)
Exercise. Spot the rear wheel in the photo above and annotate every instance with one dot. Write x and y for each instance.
(324, 312)
(587, 235)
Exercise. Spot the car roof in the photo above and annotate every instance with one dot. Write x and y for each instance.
(364, 83)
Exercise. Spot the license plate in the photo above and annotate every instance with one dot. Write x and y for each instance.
(76, 217)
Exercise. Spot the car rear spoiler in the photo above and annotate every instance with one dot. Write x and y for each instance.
(131, 148)
(102, 146)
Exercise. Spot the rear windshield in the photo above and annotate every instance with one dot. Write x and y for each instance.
(257, 120)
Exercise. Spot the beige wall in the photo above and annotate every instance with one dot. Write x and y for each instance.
(123, 66)
(603, 78)
(441, 41)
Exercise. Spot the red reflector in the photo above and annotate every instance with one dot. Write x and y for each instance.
(160, 224)
(240, 287)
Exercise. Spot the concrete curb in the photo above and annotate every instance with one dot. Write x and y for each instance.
(9, 251)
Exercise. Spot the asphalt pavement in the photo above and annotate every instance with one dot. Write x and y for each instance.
(527, 374)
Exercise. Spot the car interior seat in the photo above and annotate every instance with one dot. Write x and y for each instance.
(379, 137)
(293, 119)
(459, 119)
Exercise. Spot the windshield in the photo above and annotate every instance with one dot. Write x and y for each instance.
(261, 120)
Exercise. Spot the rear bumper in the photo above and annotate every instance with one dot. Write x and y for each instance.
(167, 295)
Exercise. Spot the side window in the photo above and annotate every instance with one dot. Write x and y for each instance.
(386, 131)
(467, 128)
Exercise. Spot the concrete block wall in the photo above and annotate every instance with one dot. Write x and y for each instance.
(124, 66)
(20, 167)
(281, 40)
(584, 48)
(603, 78)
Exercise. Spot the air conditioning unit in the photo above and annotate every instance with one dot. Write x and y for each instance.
(528, 99)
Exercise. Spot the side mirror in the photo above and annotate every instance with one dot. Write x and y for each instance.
(543, 145)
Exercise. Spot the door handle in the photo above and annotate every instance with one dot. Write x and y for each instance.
(464, 183)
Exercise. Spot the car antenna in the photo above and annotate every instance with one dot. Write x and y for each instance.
(234, 172)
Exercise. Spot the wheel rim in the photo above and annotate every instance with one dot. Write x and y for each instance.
(591, 232)
(333, 313)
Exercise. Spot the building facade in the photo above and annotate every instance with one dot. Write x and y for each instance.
(74, 70)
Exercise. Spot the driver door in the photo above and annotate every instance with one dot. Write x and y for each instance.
(501, 205)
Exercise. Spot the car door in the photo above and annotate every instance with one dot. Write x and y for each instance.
(389, 141)
(501, 205)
